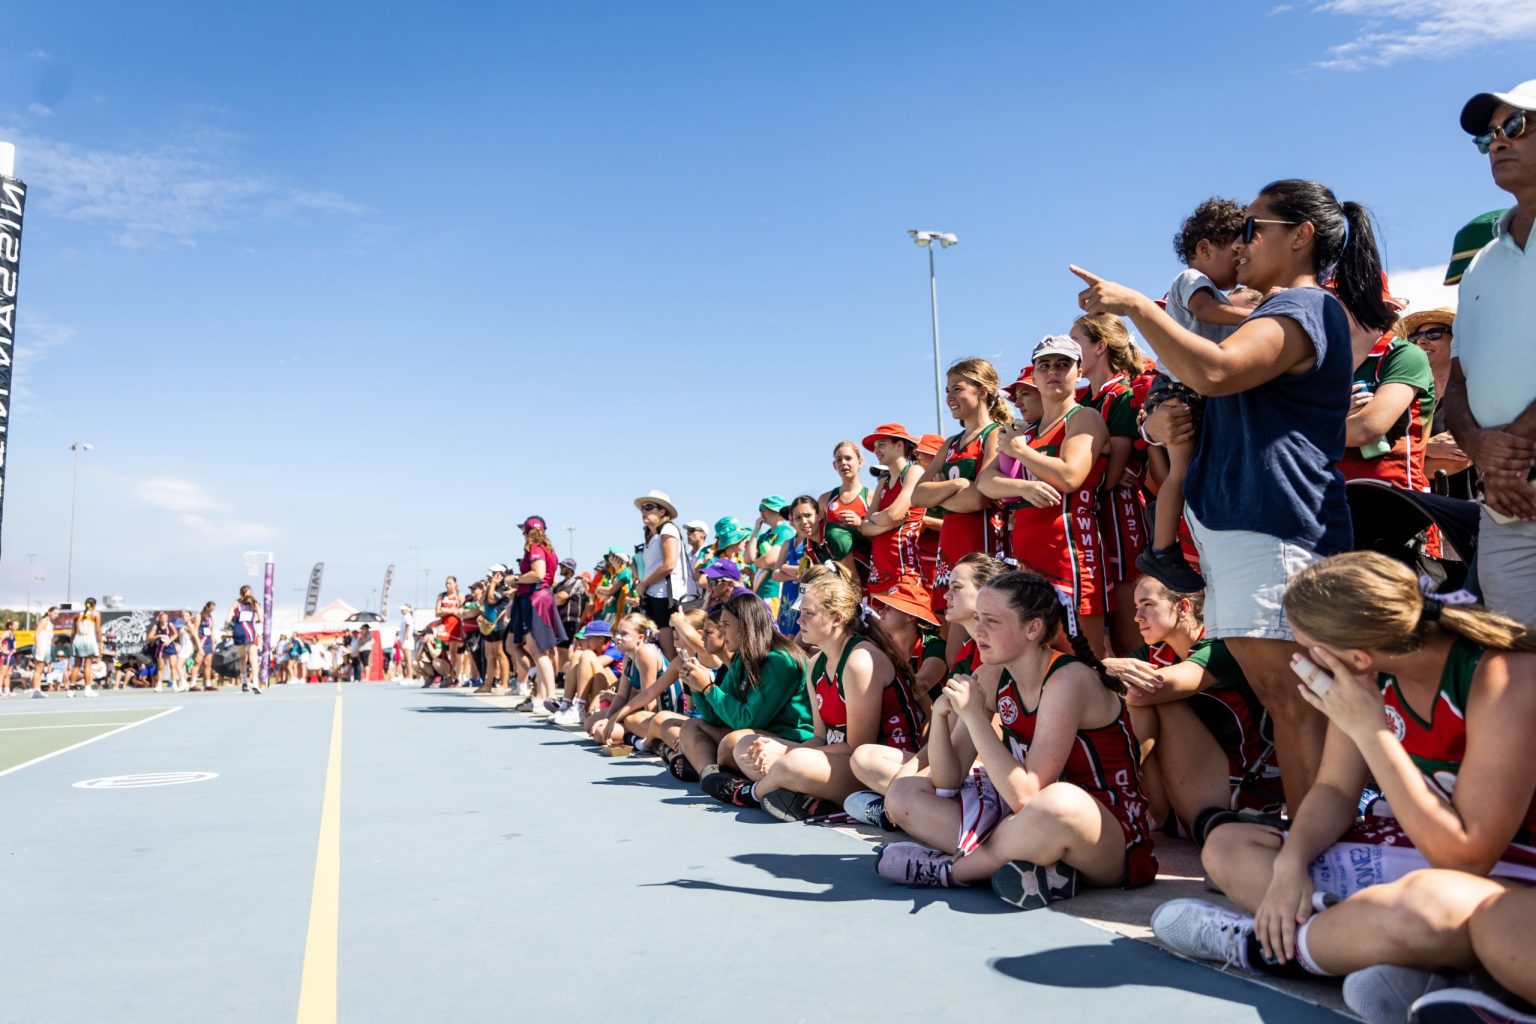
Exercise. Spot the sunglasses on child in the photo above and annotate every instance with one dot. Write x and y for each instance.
(1512, 127)
(1251, 226)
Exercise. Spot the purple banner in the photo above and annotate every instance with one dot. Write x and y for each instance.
(266, 622)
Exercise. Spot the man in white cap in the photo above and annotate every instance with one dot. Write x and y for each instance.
(1490, 403)
(697, 531)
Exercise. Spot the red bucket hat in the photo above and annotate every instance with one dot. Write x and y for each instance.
(889, 430)
(910, 598)
(1026, 379)
(930, 444)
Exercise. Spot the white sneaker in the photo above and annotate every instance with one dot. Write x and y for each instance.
(568, 718)
(1384, 993)
(539, 710)
(867, 806)
(1204, 931)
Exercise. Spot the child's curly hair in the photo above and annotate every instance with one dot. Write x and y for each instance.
(1217, 219)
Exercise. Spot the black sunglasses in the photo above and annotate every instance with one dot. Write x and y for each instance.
(1512, 127)
(1251, 226)
(1429, 334)
(648, 507)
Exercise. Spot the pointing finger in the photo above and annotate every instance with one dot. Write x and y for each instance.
(1085, 275)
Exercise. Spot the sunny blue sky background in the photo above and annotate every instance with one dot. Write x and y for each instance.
(338, 280)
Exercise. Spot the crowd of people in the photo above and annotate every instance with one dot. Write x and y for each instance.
(1123, 602)
(1130, 605)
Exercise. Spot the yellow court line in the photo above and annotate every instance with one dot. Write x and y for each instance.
(317, 990)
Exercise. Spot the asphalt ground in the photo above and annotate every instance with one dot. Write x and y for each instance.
(376, 853)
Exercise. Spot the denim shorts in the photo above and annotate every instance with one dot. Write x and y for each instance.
(1245, 576)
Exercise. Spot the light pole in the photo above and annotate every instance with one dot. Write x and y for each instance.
(571, 550)
(31, 617)
(415, 549)
(31, 568)
(74, 493)
(925, 240)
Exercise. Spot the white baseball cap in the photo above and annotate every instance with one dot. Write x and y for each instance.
(1475, 115)
(696, 524)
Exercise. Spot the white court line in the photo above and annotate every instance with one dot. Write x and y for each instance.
(75, 725)
(93, 739)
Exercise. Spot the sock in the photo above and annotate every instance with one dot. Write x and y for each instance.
(1253, 960)
(1304, 955)
(565, 704)
(581, 708)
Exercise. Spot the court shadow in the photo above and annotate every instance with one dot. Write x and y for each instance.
(662, 781)
(845, 878)
(1127, 962)
(461, 709)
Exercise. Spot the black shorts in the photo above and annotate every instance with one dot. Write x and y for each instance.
(1165, 388)
(658, 609)
(571, 626)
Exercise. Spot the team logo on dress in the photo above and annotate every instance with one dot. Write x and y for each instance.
(1007, 710)
(1395, 720)
(818, 702)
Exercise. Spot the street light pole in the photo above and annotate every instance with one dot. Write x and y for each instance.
(74, 494)
(925, 239)
(571, 550)
(31, 557)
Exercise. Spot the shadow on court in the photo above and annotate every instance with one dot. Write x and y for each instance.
(845, 878)
(1128, 962)
(462, 709)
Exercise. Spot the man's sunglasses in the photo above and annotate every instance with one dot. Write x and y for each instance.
(1251, 226)
(1429, 334)
(1512, 127)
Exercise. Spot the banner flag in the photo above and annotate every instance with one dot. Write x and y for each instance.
(266, 624)
(312, 598)
(389, 577)
(13, 201)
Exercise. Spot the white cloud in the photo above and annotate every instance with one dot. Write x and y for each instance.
(174, 192)
(39, 110)
(36, 337)
(1423, 287)
(1396, 30)
(201, 514)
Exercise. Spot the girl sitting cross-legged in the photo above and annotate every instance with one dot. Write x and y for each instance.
(1056, 800)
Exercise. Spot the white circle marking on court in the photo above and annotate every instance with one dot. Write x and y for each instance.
(145, 781)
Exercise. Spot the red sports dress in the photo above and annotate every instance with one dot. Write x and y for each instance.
(1123, 521)
(900, 723)
(894, 555)
(1228, 708)
(1104, 762)
(1062, 542)
(962, 532)
(453, 626)
(840, 539)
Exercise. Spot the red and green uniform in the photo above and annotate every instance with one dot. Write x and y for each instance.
(894, 555)
(1395, 361)
(1062, 542)
(900, 721)
(1123, 522)
(1104, 762)
(1228, 708)
(925, 647)
(839, 540)
(963, 532)
(1439, 745)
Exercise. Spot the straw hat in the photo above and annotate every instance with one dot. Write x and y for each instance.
(657, 498)
(1406, 325)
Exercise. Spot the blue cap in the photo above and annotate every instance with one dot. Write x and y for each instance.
(597, 627)
(723, 569)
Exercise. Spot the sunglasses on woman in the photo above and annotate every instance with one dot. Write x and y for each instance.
(1251, 226)
(1512, 127)
(648, 507)
(1429, 334)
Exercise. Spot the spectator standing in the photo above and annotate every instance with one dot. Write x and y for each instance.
(1432, 331)
(843, 509)
(803, 514)
(1491, 408)
(1264, 498)
(667, 581)
(769, 534)
(697, 533)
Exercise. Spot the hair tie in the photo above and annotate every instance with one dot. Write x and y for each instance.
(1345, 244)
(866, 613)
(1430, 609)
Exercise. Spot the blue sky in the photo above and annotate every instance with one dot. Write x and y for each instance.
(341, 281)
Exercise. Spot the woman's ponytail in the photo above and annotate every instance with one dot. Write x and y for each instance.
(1344, 247)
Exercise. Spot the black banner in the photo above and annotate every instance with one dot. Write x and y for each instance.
(13, 202)
(312, 599)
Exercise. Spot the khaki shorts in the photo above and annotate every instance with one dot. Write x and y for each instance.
(1245, 576)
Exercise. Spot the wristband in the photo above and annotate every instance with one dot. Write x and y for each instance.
(1141, 428)
(948, 794)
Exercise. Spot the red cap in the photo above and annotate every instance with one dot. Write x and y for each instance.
(532, 523)
(1026, 378)
(894, 431)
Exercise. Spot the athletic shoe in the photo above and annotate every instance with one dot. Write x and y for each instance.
(538, 710)
(1168, 567)
(789, 806)
(1204, 931)
(729, 788)
(38, 694)
(1467, 1006)
(1029, 886)
(642, 748)
(1383, 994)
(914, 864)
(567, 719)
(868, 807)
(553, 706)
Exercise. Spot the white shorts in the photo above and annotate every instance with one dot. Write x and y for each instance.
(1377, 851)
(1506, 566)
(1245, 577)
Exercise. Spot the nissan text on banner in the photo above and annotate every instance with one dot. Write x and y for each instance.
(13, 201)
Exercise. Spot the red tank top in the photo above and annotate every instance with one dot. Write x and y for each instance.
(1104, 761)
(1058, 541)
(894, 554)
(899, 720)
